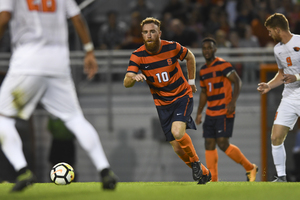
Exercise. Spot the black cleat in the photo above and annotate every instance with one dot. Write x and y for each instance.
(280, 179)
(109, 179)
(197, 171)
(205, 179)
(24, 180)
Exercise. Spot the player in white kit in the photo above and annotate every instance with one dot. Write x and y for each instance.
(39, 71)
(287, 56)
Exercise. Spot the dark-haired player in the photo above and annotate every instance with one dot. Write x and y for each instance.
(173, 95)
(216, 77)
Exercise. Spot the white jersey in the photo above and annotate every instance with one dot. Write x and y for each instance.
(39, 35)
(288, 58)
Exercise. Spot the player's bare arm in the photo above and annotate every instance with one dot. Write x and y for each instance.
(4, 19)
(237, 83)
(264, 88)
(290, 78)
(191, 67)
(131, 78)
(202, 103)
(90, 62)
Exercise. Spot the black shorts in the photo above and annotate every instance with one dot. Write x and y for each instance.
(216, 127)
(180, 110)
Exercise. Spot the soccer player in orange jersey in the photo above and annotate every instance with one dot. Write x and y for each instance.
(216, 77)
(173, 95)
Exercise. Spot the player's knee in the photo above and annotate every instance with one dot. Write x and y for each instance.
(73, 119)
(276, 140)
(177, 135)
(223, 143)
(223, 147)
(210, 144)
(177, 132)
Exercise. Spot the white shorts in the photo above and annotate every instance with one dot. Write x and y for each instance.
(19, 95)
(287, 113)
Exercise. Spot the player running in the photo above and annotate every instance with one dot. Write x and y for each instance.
(172, 94)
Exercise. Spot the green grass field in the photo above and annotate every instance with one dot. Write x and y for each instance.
(157, 191)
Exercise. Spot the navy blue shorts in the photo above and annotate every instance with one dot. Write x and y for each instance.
(216, 127)
(180, 110)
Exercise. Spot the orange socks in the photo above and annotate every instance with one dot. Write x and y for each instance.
(186, 159)
(190, 153)
(235, 154)
(211, 157)
(187, 146)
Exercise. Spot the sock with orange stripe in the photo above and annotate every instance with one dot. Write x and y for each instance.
(212, 157)
(187, 146)
(235, 154)
(186, 159)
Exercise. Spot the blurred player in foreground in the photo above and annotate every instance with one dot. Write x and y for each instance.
(286, 53)
(39, 71)
(216, 77)
(172, 93)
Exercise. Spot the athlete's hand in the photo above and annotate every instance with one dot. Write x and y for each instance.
(230, 107)
(263, 88)
(139, 77)
(194, 88)
(289, 78)
(90, 65)
(198, 119)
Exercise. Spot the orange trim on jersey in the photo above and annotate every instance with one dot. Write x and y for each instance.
(218, 86)
(276, 116)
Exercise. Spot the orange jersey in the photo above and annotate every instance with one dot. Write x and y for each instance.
(218, 86)
(163, 72)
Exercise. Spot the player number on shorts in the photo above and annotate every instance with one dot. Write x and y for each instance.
(42, 5)
(289, 61)
(162, 77)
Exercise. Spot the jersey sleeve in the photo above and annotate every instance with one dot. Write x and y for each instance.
(6, 5)
(72, 8)
(182, 51)
(202, 84)
(226, 68)
(134, 64)
(278, 62)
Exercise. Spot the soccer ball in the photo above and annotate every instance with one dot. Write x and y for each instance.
(62, 174)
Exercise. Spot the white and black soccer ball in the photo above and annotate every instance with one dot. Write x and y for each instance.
(62, 174)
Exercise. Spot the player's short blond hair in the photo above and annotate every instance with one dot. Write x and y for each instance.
(150, 20)
(277, 20)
